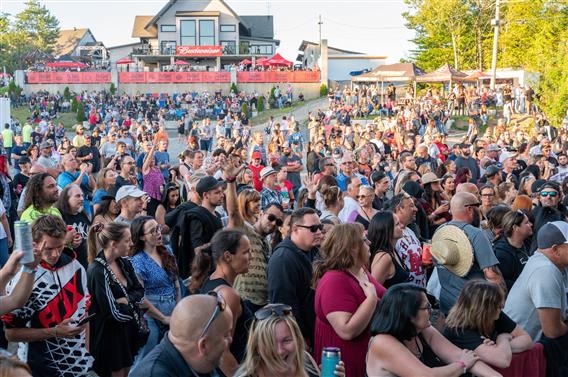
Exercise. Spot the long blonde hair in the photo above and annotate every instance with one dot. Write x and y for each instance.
(262, 350)
(243, 200)
(476, 307)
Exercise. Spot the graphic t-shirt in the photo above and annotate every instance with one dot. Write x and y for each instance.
(409, 249)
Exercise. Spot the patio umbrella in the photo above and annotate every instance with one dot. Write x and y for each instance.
(246, 62)
(279, 60)
(125, 60)
(181, 62)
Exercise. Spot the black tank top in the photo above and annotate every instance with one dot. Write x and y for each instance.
(238, 346)
(401, 275)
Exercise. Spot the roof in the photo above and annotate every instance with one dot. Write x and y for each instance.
(68, 40)
(392, 72)
(124, 45)
(153, 20)
(443, 74)
(140, 31)
(305, 44)
(260, 26)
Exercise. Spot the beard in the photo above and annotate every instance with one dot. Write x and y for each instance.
(476, 219)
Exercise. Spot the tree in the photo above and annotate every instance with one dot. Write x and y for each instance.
(66, 93)
(39, 25)
(234, 88)
(323, 90)
(260, 104)
(81, 117)
(112, 89)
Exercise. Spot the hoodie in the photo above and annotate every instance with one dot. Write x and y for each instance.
(59, 292)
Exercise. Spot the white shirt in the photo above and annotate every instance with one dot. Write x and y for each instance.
(349, 206)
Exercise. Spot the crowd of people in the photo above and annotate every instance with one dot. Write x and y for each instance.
(253, 251)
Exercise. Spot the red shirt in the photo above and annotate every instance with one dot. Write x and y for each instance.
(256, 176)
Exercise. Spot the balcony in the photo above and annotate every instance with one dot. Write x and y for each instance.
(227, 51)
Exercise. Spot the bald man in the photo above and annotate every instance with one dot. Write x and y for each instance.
(468, 187)
(200, 332)
(466, 215)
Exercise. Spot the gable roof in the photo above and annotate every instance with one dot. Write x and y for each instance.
(152, 21)
(305, 44)
(68, 40)
(139, 29)
(260, 26)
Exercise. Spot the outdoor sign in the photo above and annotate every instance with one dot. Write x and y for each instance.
(279, 76)
(68, 77)
(171, 77)
(199, 51)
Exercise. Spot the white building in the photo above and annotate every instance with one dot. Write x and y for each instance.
(340, 62)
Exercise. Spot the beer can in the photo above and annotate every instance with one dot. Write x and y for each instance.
(330, 357)
(23, 241)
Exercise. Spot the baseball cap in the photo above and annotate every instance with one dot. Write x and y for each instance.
(552, 233)
(286, 144)
(493, 148)
(256, 154)
(45, 144)
(24, 160)
(129, 190)
(265, 172)
(465, 145)
(506, 155)
(491, 170)
(537, 185)
(207, 184)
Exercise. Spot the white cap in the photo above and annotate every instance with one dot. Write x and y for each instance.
(129, 190)
(505, 155)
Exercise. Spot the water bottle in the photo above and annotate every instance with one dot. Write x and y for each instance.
(23, 241)
(284, 194)
(330, 357)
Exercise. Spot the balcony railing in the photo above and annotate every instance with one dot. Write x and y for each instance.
(227, 50)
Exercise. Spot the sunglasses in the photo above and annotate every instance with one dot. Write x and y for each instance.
(219, 308)
(272, 218)
(313, 228)
(552, 194)
(279, 310)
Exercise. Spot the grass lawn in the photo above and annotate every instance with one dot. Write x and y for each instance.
(264, 116)
(22, 113)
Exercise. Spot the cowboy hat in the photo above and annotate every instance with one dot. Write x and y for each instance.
(451, 248)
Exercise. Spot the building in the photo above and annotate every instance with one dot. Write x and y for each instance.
(340, 62)
(79, 44)
(208, 34)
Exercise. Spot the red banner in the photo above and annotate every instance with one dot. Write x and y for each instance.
(199, 50)
(173, 77)
(69, 77)
(279, 76)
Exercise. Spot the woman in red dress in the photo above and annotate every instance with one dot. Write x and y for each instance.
(346, 296)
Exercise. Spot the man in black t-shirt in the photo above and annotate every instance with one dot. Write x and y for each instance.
(89, 153)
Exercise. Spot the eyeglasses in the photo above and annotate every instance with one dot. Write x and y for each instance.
(364, 196)
(488, 195)
(279, 310)
(156, 230)
(313, 228)
(272, 218)
(427, 307)
(220, 307)
(552, 194)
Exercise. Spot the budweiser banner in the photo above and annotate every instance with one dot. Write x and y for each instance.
(68, 77)
(199, 50)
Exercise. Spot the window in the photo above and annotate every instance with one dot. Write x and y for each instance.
(168, 47)
(168, 28)
(229, 47)
(261, 49)
(187, 33)
(206, 32)
(228, 28)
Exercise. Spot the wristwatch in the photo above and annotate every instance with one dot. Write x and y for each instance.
(29, 270)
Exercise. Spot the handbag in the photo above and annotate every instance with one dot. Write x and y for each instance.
(143, 331)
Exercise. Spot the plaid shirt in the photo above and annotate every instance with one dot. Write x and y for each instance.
(268, 196)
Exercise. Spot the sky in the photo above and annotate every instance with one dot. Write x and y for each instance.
(375, 27)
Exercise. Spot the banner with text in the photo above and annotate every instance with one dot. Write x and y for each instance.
(199, 51)
(69, 77)
(172, 77)
(279, 76)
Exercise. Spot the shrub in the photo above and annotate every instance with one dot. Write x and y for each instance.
(260, 104)
(112, 89)
(245, 109)
(323, 90)
(81, 117)
(74, 104)
(234, 88)
(67, 93)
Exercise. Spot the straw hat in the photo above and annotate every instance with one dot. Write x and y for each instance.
(452, 249)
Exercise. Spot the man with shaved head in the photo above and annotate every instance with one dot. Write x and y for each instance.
(200, 332)
(466, 215)
(468, 187)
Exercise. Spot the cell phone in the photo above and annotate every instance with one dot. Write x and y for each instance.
(86, 319)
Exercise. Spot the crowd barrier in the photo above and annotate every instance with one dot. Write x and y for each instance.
(278, 76)
(69, 77)
(171, 77)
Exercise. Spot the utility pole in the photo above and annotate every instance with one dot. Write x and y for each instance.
(319, 26)
(496, 23)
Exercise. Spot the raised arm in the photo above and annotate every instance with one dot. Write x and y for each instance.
(230, 171)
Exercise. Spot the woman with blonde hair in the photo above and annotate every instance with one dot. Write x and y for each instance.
(346, 296)
(275, 347)
(506, 192)
(249, 205)
(477, 322)
(13, 367)
(333, 201)
(365, 212)
(105, 181)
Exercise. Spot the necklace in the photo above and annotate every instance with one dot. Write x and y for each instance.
(417, 352)
(366, 214)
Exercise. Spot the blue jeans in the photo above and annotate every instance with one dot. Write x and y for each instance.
(165, 304)
(3, 251)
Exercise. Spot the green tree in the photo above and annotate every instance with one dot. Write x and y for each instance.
(323, 90)
(260, 104)
(112, 89)
(234, 88)
(38, 24)
(81, 117)
(66, 93)
(74, 105)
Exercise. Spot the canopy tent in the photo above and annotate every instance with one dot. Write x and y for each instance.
(246, 62)
(399, 72)
(262, 62)
(181, 62)
(445, 73)
(279, 60)
(478, 75)
(66, 64)
(125, 60)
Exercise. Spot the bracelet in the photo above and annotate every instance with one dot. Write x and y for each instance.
(55, 329)
(462, 364)
(230, 179)
(28, 270)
